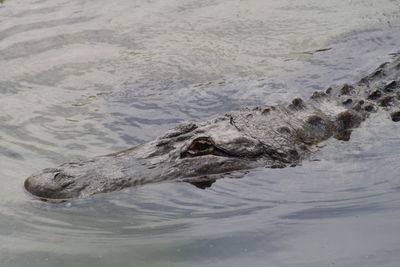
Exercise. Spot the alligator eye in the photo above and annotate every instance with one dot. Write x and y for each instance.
(200, 146)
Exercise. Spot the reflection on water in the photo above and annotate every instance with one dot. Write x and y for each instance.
(79, 78)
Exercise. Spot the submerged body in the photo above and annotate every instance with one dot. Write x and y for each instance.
(262, 136)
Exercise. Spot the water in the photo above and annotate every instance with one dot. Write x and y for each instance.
(80, 78)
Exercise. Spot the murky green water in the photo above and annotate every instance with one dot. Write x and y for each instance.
(82, 78)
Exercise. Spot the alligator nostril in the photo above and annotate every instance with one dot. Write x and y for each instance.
(59, 176)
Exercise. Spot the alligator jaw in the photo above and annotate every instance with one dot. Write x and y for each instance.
(60, 184)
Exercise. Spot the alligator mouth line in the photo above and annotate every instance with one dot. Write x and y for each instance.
(32, 195)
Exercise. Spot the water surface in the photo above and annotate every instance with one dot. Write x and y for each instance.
(81, 78)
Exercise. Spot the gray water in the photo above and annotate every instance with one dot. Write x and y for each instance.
(83, 78)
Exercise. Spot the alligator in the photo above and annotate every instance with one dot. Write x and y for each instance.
(261, 136)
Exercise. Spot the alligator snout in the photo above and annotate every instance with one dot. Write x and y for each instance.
(49, 183)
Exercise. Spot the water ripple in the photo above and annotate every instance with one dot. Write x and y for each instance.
(81, 78)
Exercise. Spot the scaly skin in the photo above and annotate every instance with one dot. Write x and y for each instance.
(262, 136)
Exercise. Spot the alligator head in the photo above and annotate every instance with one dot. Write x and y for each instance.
(189, 150)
